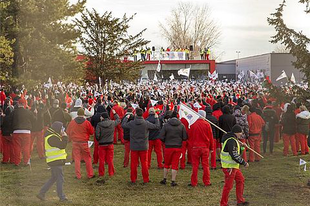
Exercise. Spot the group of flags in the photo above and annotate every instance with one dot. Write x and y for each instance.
(283, 75)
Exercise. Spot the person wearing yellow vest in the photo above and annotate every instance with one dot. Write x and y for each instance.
(202, 54)
(208, 53)
(231, 160)
(55, 143)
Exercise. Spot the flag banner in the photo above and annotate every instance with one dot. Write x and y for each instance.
(184, 72)
(213, 76)
(197, 105)
(190, 116)
(153, 102)
(293, 78)
(302, 162)
(134, 106)
(158, 66)
(252, 74)
(155, 77)
(171, 77)
(282, 76)
(90, 143)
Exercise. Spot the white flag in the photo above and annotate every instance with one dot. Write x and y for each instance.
(90, 143)
(153, 102)
(190, 116)
(252, 74)
(171, 77)
(213, 76)
(99, 79)
(158, 66)
(197, 105)
(283, 75)
(302, 162)
(293, 78)
(184, 72)
(134, 106)
(155, 77)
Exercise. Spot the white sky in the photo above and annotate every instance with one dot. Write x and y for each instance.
(243, 23)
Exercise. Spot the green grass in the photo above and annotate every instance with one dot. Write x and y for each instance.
(274, 181)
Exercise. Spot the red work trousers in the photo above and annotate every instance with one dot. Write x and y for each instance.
(82, 151)
(7, 144)
(172, 158)
(135, 155)
(1, 144)
(232, 175)
(39, 143)
(106, 153)
(287, 139)
(213, 154)
(96, 151)
(118, 134)
(21, 144)
(200, 153)
(185, 147)
(156, 145)
(302, 139)
(254, 142)
(126, 153)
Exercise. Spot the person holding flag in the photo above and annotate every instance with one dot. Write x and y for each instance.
(231, 160)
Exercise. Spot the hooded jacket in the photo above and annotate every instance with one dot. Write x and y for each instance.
(139, 132)
(22, 119)
(153, 133)
(270, 117)
(54, 141)
(303, 121)
(127, 131)
(288, 122)
(243, 122)
(200, 135)
(256, 123)
(232, 148)
(79, 130)
(105, 130)
(6, 127)
(214, 120)
(226, 121)
(96, 118)
(173, 133)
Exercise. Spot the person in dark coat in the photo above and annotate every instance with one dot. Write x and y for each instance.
(288, 122)
(303, 121)
(154, 141)
(7, 141)
(271, 119)
(105, 136)
(172, 134)
(55, 143)
(139, 133)
(127, 137)
(226, 121)
(62, 115)
(215, 132)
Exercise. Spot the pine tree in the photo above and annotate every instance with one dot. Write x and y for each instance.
(106, 42)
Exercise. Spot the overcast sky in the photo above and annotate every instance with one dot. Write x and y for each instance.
(243, 23)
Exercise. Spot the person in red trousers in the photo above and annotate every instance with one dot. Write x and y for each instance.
(172, 134)
(6, 135)
(256, 124)
(21, 120)
(104, 136)
(79, 130)
(201, 140)
(288, 122)
(118, 133)
(303, 121)
(139, 132)
(231, 159)
(154, 141)
(127, 138)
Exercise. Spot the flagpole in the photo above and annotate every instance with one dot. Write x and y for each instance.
(222, 130)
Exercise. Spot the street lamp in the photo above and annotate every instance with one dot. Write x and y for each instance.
(238, 52)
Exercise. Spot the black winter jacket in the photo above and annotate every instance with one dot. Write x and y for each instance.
(153, 133)
(226, 121)
(303, 121)
(232, 149)
(271, 119)
(173, 133)
(22, 119)
(288, 122)
(212, 119)
(105, 130)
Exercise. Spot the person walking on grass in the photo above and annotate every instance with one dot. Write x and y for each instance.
(55, 143)
(231, 160)
(172, 134)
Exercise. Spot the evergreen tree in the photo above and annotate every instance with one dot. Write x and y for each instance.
(44, 40)
(106, 42)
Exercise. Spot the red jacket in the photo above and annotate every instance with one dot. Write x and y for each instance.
(217, 114)
(80, 129)
(119, 111)
(256, 123)
(200, 135)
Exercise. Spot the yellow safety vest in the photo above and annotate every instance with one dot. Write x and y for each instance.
(208, 51)
(226, 159)
(54, 153)
(202, 52)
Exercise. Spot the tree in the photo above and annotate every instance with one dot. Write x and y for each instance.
(106, 43)
(191, 24)
(296, 42)
(44, 40)
(281, 49)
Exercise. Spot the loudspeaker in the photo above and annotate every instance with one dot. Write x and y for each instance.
(153, 48)
(191, 48)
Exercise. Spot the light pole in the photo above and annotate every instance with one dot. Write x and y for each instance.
(238, 52)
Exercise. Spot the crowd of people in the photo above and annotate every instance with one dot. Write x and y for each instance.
(143, 117)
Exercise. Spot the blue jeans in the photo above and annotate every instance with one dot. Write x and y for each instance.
(57, 176)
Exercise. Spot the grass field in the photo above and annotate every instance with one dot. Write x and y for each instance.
(275, 181)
